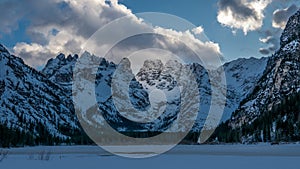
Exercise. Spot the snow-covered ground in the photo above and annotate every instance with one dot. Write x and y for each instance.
(262, 156)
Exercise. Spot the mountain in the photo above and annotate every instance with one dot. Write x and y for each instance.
(37, 107)
(31, 103)
(258, 118)
(157, 76)
(32, 98)
(153, 76)
(59, 70)
(241, 77)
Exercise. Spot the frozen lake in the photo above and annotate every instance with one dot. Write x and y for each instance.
(262, 156)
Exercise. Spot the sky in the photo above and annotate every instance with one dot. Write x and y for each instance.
(39, 30)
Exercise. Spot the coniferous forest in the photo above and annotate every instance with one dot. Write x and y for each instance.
(280, 124)
(16, 138)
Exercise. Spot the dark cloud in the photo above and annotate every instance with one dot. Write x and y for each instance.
(43, 13)
(33, 56)
(281, 16)
(267, 33)
(246, 15)
(73, 22)
(73, 45)
(240, 10)
(10, 13)
(62, 14)
(264, 51)
(273, 48)
(63, 26)
(271, 38)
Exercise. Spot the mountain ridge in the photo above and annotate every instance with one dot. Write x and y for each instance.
(254, 88)
(59, 72)
(279, 83)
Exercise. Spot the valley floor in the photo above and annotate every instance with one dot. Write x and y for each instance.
(261, 156)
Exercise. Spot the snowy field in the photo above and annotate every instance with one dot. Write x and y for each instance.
(262, 156)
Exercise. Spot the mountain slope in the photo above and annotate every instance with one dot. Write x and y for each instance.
(281, 80)
(59, 70)
(41, 102)
(241, 78)
(31, 103)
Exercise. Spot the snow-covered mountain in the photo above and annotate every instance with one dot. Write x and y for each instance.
(59, 70)
(281, 77)
(153, 77)
(258, 92)
(31, 103)
(270, 112)
(30, 98)
(241, 76)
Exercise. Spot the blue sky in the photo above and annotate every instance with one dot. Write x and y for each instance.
(25, 26)
(204, 13)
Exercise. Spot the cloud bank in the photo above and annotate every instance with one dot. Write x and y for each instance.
(248, 15)
(63, 26)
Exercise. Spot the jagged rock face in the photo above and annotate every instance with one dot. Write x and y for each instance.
(46, 97)
(154, 75)
(281, 77)
(29, 99)
(60, 70)
(168, 78)
(241, 77)
(292, 30)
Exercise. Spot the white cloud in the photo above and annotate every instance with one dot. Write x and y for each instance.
(265, 40)
(34, 54)
(246, 15)
(198, 31)
(63, 26)
(209, 52)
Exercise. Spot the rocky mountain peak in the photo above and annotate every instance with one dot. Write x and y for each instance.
(28, 98)
(7, 58)
(60, 70)
(3, 49)
(125, 65)
(3, 52)
(61, 56)
(280, 79)
(49, 92)
(292, 30)
(153, 65)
